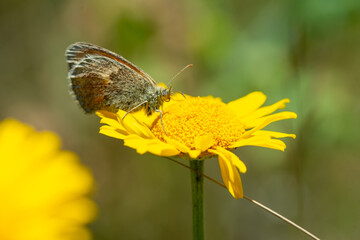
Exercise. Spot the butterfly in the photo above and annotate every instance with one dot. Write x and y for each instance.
(103, 80)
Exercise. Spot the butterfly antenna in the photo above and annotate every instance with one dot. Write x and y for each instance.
(190, 65)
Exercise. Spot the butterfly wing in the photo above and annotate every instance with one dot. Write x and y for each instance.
(103, 80)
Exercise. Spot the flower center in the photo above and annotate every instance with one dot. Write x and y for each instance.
(196, 117)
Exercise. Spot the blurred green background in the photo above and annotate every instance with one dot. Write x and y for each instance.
(308, 51)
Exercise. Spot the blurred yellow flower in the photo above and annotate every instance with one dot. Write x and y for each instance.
(42, 189)
(200, 127)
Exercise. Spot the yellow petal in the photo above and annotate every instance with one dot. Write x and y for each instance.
(45, 187)
(203, 142)
(230, 174)
(110, 119)
(41, 145)
(160, 148)
(194, 153)
(180, 146)
(274, 134)
(112, 122)
(183, 148)
(133, 126)
(154, 146)
(261, 141)
(12, 135)
(272, 143)
(247, 104)
(264, 121)
(138, 143)
(143, 118)
(106, 114)
(234, 159)
(266, 110)
(78, 210)
(235, 188)
(113, 132)
(249, 141)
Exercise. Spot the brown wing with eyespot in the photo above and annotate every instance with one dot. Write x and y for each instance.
(103, 80)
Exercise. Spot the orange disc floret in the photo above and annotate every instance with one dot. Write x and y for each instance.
(196, 117)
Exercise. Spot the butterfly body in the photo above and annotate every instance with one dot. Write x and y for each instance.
(103, 80)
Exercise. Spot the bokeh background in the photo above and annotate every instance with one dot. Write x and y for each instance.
(308, 51)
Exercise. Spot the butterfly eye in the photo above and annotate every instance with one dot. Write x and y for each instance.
(166, 95)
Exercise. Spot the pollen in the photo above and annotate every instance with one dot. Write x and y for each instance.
(197, 118)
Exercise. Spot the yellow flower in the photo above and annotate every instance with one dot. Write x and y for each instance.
(42, 189)
(200, 127)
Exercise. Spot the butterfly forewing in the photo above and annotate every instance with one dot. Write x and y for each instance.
(103, 80)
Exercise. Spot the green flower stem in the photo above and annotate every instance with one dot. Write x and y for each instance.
(197, 189)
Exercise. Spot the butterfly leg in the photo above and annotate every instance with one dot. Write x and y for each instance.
(133, 109)
(161, 118)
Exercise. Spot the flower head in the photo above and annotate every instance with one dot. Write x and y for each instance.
(43, 189)
(199, 127)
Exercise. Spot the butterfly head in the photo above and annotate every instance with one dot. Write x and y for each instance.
(165, 94)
